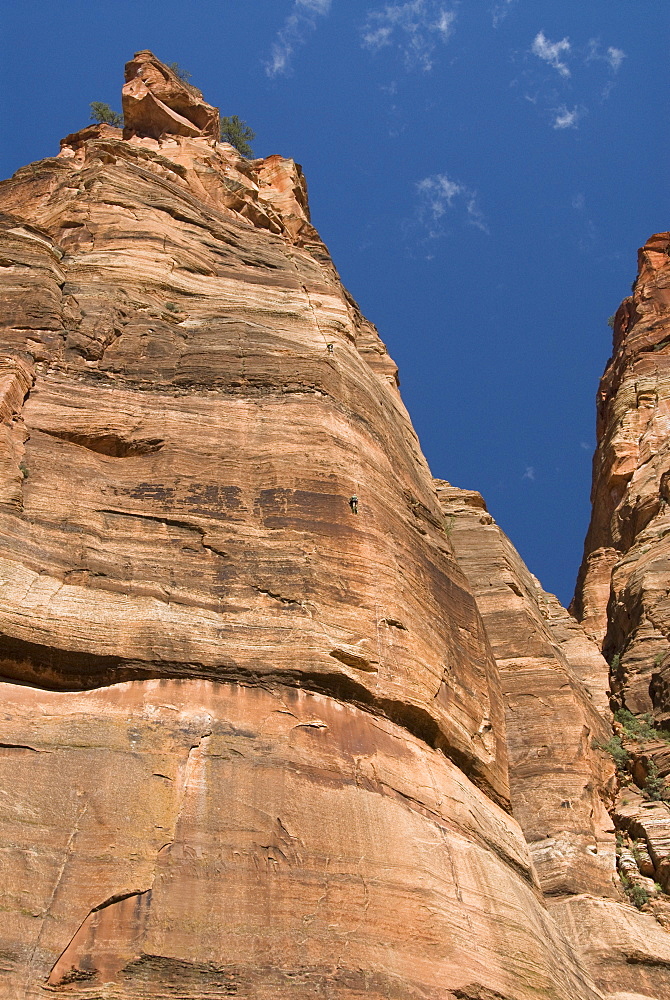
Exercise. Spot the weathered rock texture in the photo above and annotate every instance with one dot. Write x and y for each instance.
(212, 440)
(253, 742)
(622, 593)
(157, 102)
(625, 950)
(562, 782)
(560, 786)
(205, 839)
(622, 601)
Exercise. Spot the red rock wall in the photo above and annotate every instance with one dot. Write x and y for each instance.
(204, 839)
(560, 785)
(211, 443)
(592, 867)
(253, 741)
(622, 592)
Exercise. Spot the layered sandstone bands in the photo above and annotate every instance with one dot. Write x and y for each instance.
(157, 102)
(288, 702)
(259, 842)
(212, 439)
(560, 786)
(622, 591)
(253, 742)
(622, 601)
(585, 829)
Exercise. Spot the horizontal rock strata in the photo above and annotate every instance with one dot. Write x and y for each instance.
(216, 398)
(204, 839)
(255, 669)
(562, 779)
(624, 949)
(272, 757)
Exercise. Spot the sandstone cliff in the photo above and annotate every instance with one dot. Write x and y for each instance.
(255, 742)
(622, 593)
(598, 842)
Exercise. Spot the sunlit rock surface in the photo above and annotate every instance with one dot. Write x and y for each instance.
(622, 593)
(560, 785)
(206, 400)
(254, 739)
(211, 838)
(254, 694)
(157, 102)
(598, 842)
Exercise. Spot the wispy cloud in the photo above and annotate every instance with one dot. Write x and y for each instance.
(415, 28)
(564, 118)
(501, 10)
(551, 52)
(587, 69)
(439, 195)
(475, 215)
(529, 473)
(293, 33)
(612, 56)
(615, 57)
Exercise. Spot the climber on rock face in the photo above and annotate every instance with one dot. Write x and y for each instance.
(353, 503)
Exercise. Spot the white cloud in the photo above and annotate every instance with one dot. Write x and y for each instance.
(439, 194)
(615, 57)
(579, 201)
(475, 215)
(565, 118)
(316, 6)
(501, 10)
(551, 52)
(562, 56)
(414, 27)
(529, 473)
(612, 56)
(293, 34)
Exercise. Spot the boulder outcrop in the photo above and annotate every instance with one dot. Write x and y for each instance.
(157, 102)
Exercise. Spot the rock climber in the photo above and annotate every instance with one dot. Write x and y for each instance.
(353, 503)
(330, 348)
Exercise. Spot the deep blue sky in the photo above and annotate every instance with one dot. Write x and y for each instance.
(482, 171)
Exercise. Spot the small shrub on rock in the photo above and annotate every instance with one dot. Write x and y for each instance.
(615, 748)
(103, 114)
(238, 134)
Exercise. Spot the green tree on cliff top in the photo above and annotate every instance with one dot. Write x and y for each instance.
(102, 113)
(238, 134)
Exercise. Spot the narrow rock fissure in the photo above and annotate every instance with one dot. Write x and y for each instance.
(23, 746)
